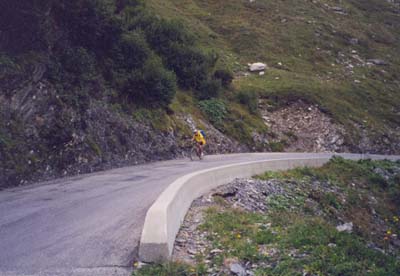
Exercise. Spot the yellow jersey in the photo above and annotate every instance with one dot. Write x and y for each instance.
(199, 138)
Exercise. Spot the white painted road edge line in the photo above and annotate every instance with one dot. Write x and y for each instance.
(166, 215)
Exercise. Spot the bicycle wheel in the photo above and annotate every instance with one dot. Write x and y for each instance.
(192, 153)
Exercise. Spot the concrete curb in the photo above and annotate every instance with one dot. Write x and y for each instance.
(165, 216)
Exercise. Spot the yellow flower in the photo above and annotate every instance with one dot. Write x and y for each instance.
(395, 219)
(192, 269)
(238, 236)
(135, 264)
(388, 232)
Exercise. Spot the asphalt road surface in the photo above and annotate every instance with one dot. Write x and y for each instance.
(91, 224)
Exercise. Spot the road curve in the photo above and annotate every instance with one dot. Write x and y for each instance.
(91, 224)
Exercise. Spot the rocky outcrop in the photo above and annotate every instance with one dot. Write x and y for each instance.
(43, 136)
(300, 126)
(47, 138)
(304, 127)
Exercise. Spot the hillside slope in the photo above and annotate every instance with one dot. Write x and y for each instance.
(96, 84)
(341, 55)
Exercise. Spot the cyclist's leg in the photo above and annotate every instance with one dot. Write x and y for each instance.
(198, 149)
(201, 149)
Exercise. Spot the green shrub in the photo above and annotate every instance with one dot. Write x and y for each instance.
(89, 24)
(153, 86)
(164, 34)
(178, 49)
(79, 62)
(209, 89)
(214, 109)
(190, 64)
(249, 99)
(277, 146)
(132, 51)
(23, 25)
(225, 76)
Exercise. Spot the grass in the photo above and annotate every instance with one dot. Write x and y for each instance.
(320, 249)
(169, 269)
(341, 171)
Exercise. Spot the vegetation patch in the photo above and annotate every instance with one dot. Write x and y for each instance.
(292, 223)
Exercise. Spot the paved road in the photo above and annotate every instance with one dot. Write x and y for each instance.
(90, 225)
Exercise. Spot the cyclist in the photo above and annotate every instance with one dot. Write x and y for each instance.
(200, 141)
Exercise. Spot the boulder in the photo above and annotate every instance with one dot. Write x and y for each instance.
(347, 227)
(258, 66)
(237, 269)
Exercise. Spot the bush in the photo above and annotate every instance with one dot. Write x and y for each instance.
(249, 99)
(225, 76)
(132, 51)
(11, 74)
(79, 62)
(209, 89)
(72, 68)
(277, 146)
(89, 24)
(153, 86)
(23, 25)
(190, 64)
(164, 34)
(178, 49)
(214, 109)
(119, 42)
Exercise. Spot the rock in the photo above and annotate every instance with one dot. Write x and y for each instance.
(180, 241)
(339, 10)
(304, 126)
(226, 191)
(249, 194)
(216, 251)
(347, 227)
(192, 251)
(258, 66)
(383, 173)
(377, 61)
(353, 41)
(262, 73)
(237, 269)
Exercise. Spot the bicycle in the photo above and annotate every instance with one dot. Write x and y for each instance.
(195, 152)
